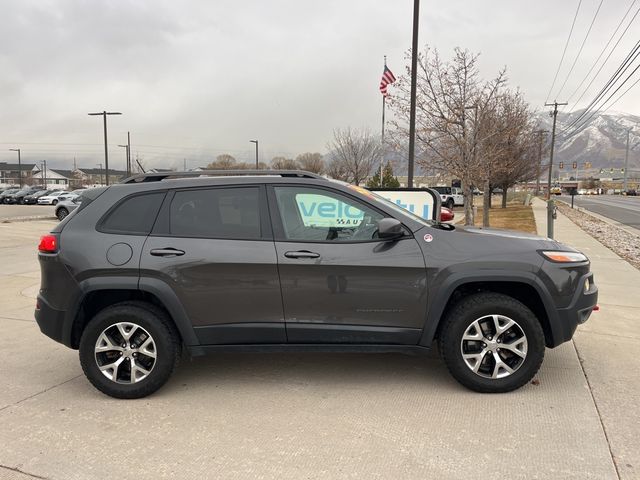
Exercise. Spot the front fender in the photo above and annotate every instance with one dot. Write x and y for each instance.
(442, 293)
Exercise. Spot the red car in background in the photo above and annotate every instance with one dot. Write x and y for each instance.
(446, 214)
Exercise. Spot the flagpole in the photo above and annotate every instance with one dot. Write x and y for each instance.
(384, 98)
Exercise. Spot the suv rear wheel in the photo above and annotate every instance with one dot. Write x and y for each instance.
(129, 350)
(492, 343)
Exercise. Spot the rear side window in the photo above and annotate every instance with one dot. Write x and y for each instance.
(134, 216)
(216, 213)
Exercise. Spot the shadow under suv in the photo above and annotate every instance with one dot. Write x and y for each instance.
(289, 261)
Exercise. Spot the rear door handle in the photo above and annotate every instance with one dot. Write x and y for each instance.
(302, 254)
(166, 252)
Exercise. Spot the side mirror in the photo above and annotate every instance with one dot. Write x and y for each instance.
(390, 228)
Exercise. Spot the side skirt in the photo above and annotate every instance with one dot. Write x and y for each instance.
(199, 350)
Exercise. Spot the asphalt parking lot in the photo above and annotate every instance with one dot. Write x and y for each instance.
(299, 416)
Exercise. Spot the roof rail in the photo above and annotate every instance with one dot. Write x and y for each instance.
(156, 177)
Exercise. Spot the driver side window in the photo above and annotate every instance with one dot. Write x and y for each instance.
(318, 215)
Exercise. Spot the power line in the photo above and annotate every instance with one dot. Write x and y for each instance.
(588, 119)
(580, 50)
(604, 50)
(604, 90)
(555, 77)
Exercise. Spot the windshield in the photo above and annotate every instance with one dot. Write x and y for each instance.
(442, 190)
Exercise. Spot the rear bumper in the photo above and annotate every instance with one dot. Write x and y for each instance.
(52, 322)
(577, 313)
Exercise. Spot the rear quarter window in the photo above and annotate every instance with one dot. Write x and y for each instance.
(134, 215)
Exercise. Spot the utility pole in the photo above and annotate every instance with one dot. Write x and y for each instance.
(106, 149)
(126, 151)
(128, 154)
(19, 165)
(550, 206)
(414, 75)
(256, 142)
(100, 166)
(626, 162)
(540, 134)
(184, 164)
(44, 170)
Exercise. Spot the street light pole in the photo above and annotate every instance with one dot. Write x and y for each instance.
(106, 149)
(256, 142)
(19, 165)
(412, 108)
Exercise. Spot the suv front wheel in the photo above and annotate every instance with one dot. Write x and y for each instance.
(492, 343)
(129, 350)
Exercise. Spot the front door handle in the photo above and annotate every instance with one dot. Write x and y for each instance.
(302, 254)
(166, 252)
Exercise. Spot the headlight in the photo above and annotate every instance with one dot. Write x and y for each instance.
(564, 257)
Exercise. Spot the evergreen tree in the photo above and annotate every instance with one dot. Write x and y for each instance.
(388, 179)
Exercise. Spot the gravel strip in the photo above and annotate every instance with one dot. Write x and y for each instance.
(622, 242)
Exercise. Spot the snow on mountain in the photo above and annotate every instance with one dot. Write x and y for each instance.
(602, 141)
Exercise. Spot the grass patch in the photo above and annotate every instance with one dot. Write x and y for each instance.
(514, 217)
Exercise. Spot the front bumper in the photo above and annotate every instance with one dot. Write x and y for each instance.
(578, 311)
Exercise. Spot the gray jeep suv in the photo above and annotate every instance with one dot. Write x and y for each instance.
(286, 261)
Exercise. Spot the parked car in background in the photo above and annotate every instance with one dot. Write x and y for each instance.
(52, 198)
(32, 198)
(71, 195)
(631, 193)
(450, 196)
(7, 192)
(65, 207)
(446, 215)
(18, 197)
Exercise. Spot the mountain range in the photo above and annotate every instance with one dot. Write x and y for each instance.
(601, 143)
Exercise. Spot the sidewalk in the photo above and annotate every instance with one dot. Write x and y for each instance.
(607, 343)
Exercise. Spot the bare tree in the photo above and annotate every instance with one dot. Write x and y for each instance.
(282, 163)
(311, 162)
(451, 100)
(513, 147)
(223, 162)
(354, 154)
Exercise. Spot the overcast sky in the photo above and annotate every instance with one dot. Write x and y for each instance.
(194, 79)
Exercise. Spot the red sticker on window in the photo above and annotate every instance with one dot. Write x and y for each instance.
(428, 237)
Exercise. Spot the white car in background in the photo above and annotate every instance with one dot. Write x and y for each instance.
(450, 196)
(52, 198)
(66, 196)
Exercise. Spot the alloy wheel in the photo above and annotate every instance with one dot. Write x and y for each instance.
(494, 346)
(125, 353)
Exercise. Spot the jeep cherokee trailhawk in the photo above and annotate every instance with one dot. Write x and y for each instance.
(286, 261)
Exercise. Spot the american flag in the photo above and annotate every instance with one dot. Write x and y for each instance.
(387, 79)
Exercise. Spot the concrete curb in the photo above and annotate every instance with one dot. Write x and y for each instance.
(27, 219)
(614, 223)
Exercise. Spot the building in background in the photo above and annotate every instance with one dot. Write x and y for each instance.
(9, 173)
(96, 176)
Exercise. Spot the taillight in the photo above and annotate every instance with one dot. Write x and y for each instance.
(48, 244)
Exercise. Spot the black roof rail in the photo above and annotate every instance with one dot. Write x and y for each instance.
(156, 177)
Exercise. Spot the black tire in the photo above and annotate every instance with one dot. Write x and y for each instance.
(54, 202)
(474, 307)
(153, 321)
(449, 204)
(61, 213)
